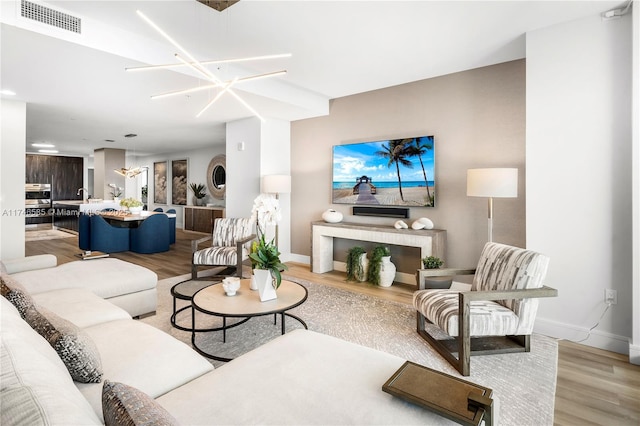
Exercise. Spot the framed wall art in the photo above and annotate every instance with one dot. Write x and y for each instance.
(179, 182)
(160, 182)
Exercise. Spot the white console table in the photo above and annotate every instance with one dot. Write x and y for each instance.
(431, 242)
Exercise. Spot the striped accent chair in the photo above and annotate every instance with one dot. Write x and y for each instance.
(498, 313)
(229, 246)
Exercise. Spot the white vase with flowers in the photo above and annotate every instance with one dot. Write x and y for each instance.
(265, 256)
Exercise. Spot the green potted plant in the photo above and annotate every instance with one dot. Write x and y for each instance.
(375, 264)
(266, 265)
(432, 262)
(199, 192)
(357, 264)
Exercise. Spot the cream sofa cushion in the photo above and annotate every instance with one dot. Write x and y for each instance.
(342, 382)
(80, 306)
(104, 277)
(139, 355)
(34, 383)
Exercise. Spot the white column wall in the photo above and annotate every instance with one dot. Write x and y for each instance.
(243, 166)
(276, 160)
(579, 192)
(634, 347)
(13, 133)
(256, 149)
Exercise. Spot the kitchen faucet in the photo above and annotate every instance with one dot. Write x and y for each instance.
(80, 190)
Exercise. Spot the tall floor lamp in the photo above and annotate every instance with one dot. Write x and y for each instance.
(276, 184)
(492, 183)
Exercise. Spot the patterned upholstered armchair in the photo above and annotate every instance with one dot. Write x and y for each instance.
(498, 313)
(229, 246)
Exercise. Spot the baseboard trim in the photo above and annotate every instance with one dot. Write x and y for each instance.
(298, 258)
(597, 339)
(634, 354)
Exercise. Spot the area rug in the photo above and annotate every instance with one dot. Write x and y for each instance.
(46, 234)
(523, 383)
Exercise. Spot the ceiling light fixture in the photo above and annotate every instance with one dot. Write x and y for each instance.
(43, 145)
(130, 172)
(211, 62)
(198, 68)
(212, 86)
(48, 151)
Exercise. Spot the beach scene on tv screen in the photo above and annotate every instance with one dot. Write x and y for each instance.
(396, 172)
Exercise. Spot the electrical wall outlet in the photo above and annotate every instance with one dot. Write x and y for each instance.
(610, 296)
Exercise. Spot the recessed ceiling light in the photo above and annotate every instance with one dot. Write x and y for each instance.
(43, 145)
(130, 135)
(48, 151)
(7, 92)
(109, 140)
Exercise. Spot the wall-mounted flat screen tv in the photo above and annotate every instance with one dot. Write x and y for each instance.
(397, 172)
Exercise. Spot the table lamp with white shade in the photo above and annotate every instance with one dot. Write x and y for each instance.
(492, 183)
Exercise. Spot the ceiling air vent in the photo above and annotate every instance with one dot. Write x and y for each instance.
(50, 16)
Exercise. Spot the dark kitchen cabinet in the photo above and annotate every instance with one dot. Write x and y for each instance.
(63, 173)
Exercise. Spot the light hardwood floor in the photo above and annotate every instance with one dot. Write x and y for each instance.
(594, 387)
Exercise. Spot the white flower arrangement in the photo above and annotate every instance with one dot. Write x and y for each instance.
(265, 211)
(116, 190)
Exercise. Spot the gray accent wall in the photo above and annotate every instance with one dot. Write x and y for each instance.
(478, 120)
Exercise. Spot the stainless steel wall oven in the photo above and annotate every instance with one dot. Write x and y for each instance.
(38, 203)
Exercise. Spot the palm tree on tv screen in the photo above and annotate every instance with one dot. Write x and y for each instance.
(418, 149)
(396, 152)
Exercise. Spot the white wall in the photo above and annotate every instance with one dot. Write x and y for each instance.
(578, 161)
(634, 347)
(256, 149)
(243, 165)
(13, 116)
(276, 140)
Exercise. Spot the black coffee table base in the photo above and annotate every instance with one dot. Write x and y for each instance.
(225, 327)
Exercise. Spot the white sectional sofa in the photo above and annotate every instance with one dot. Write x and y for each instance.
(129, 286)
(302, 377)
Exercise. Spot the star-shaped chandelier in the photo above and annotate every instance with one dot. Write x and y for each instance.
(198, 66)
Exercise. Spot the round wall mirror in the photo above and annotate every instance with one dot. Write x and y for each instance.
(217, 176)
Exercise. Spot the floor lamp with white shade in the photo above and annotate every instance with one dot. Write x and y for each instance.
(492, 183)
(276, 184)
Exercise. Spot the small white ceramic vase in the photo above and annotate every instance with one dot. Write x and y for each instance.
(253, 285)
(332, 216)
(135, 210)
(387, 272)
(265, 282)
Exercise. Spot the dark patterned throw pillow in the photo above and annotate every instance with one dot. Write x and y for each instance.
(15, 293)
(124, 405)
(73, 345)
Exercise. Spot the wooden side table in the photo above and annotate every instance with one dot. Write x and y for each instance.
(459, 400)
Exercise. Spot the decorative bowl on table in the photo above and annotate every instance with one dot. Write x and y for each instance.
(135, 210)
(231, 285)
